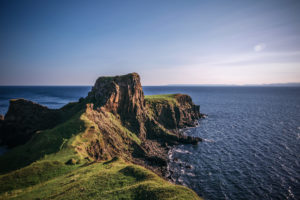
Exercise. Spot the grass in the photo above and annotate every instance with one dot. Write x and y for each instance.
(116, 179)
(162, 98)
(52, 141)
(123, 129)
(33, 174)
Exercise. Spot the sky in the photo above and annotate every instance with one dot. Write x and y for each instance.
(64, 42)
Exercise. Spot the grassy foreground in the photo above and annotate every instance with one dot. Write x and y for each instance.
(114, 179)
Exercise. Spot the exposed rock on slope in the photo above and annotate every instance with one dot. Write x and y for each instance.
(122, 96)
(174, 111)
(155, 123)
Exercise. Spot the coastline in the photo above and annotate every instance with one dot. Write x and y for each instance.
(171, 157)
(115, 124)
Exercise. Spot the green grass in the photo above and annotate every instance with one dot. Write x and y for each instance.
(128, 133)
(33, 174)
(52, 141)
(107, 180)
(162, 98)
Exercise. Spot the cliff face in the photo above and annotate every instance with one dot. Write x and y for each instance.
(177, 112)
(122, 96)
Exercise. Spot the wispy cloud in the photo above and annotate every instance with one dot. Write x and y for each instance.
(259, 47)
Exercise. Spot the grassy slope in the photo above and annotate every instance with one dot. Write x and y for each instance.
(48, 177)
(36, 173)
(45, 143)
(108, 180)
(161, 98)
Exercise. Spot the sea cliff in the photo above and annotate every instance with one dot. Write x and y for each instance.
(115, 129)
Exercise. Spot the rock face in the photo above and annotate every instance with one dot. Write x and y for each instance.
(122, 96)
(177, 114)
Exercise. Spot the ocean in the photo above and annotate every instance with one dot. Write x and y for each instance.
(251, 147)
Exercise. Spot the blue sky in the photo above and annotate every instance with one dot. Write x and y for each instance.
(167, 42)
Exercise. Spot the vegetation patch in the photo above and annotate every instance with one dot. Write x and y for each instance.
(36, 173)
(162, 98)
(52, 141)
(111, 180)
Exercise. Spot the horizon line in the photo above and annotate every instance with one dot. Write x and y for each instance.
(187, 84)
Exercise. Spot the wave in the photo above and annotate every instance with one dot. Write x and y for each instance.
(208, 140)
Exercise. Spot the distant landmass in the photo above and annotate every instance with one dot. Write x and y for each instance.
(245, 85)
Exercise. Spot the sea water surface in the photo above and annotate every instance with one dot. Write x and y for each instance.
(50, 96)
(252, 138)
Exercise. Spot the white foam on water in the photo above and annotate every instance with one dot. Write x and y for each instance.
(291, 193)
(190, 174)
(182, 151)
(208, 140)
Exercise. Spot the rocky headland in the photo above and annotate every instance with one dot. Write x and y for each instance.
(115, 125)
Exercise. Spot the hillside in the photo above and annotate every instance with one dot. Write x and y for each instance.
(102, 147)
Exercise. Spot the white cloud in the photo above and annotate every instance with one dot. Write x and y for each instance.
(249, 68)
(259, 47)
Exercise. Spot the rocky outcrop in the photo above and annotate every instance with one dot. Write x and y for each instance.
(178, 113)
(122, 96)
(119, 101)
(23, 119)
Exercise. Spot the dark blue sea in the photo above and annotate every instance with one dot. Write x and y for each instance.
(252, 138)
(50, 96)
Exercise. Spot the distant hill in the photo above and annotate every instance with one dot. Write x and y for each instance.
(246, 85)
(283, 84)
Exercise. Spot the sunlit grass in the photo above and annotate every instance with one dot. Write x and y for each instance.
(107, 180)
(170, 98)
